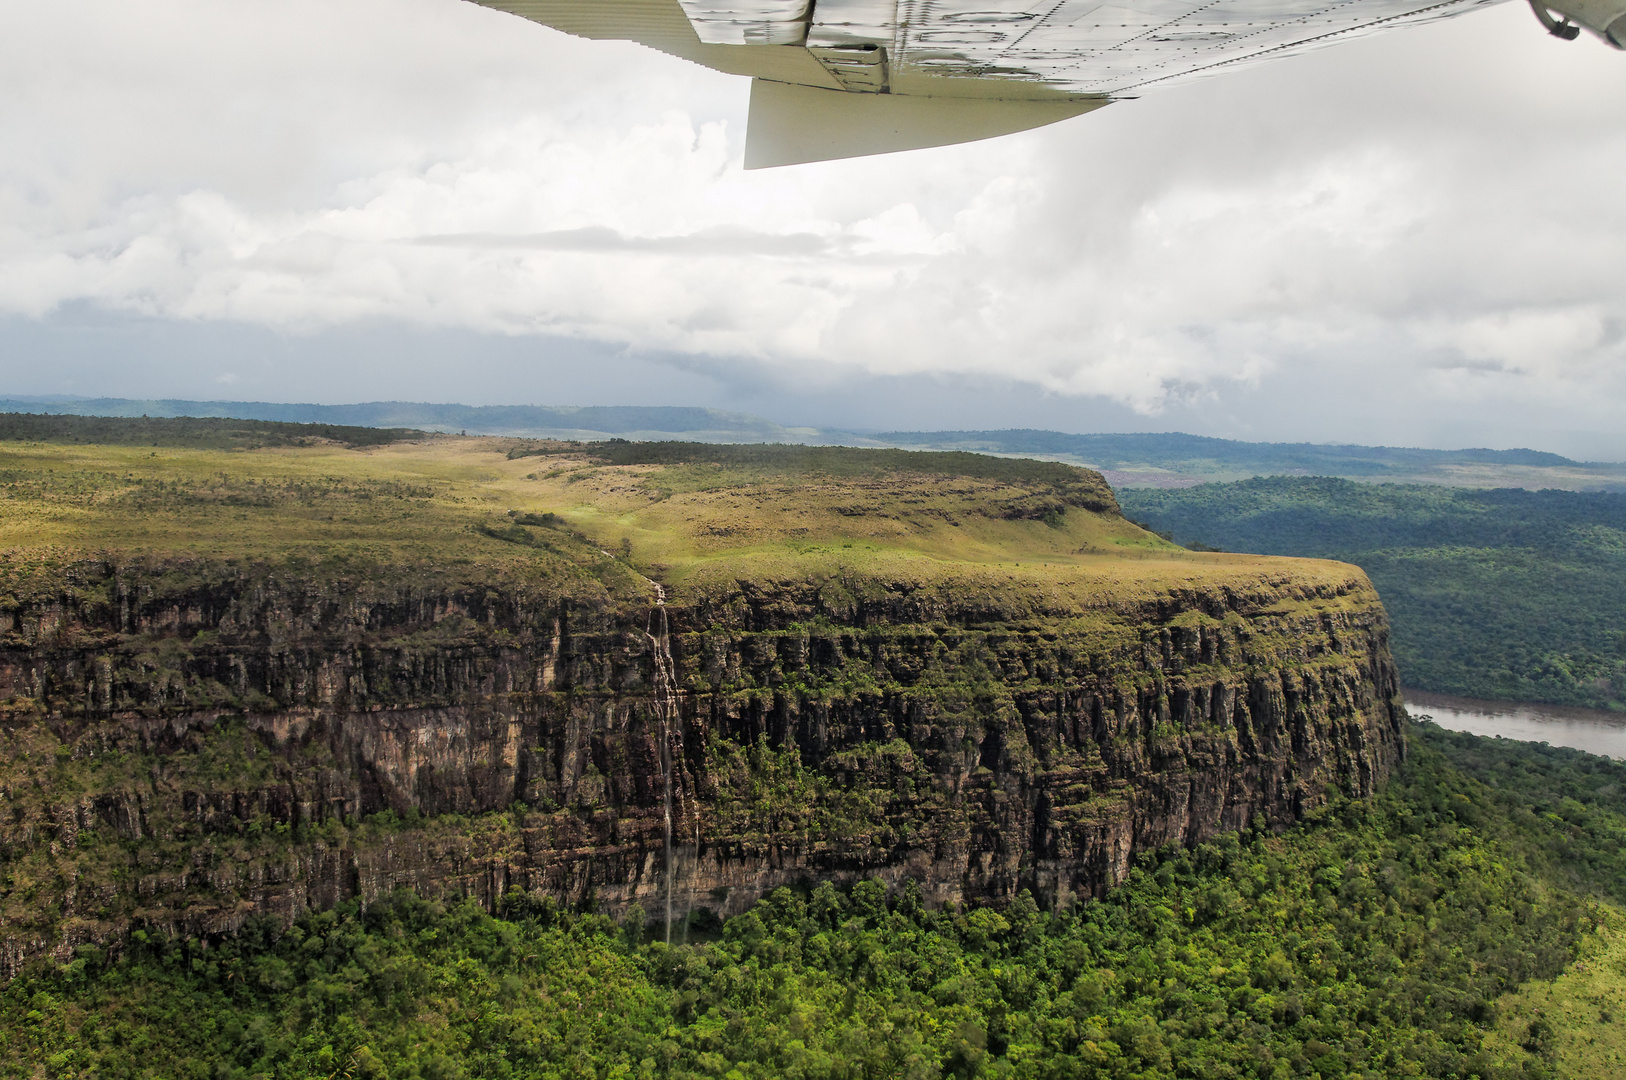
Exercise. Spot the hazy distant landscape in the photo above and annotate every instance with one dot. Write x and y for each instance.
(526, 421)
(1511, 594)
(1128, 460)
(1174, 460)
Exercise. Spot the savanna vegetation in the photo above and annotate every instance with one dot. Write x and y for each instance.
(778, 459)
(214, 433)
(1382, 938)
(1508, 593)
(683, 513)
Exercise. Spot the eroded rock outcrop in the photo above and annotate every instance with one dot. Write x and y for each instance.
(249, 741)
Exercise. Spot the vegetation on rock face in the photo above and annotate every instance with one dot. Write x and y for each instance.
(1379, 939)
(221, 662)
(170, 716)
(235, 661)
(244, 683)
(1509, 594)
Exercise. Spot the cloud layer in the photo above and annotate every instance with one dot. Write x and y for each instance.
(1434, 214)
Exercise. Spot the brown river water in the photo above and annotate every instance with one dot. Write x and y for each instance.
(1592, 730)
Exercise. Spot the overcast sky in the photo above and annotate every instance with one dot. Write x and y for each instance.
(1419, 238)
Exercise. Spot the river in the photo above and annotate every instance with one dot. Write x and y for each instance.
(1592, 730)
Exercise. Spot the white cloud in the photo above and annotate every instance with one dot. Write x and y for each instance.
(1444, 200)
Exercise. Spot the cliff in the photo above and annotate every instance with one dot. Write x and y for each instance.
(191, 740)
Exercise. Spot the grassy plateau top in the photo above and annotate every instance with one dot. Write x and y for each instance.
(607, 517)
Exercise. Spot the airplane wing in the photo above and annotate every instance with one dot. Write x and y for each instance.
(844, 78)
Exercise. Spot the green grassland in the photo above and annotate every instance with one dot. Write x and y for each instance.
(1510, 594)
(1442, 929)
(607, 516)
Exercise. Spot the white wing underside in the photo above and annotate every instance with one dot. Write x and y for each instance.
(1080, 47)
(1065, 47)
(1067, 56)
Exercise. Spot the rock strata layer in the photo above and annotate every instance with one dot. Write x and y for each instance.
(187, 750)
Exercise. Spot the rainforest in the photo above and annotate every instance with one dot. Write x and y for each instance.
(1425, 932)
(1502, 593)
(333, 752)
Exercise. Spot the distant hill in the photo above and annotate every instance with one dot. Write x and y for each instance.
(532, 421)
(210, 432)
(1163, 460)
(1176, 449)
(1173, 459)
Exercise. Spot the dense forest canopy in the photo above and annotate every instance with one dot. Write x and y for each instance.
(1375, 941)
(1510, 594)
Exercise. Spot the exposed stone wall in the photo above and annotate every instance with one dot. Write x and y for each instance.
(188, 751)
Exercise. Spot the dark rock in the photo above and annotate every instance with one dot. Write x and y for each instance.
(186, 757)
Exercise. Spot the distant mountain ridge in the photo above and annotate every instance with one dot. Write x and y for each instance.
(1128, 451)
(536, 421)
(1165, 459)
(1175, 459)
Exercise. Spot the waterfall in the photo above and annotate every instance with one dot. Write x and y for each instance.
(665, 693)
(694, 875)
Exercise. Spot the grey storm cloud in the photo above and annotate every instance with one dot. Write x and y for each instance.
(1414, 237)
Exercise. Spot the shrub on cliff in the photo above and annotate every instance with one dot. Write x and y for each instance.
(1374, 941)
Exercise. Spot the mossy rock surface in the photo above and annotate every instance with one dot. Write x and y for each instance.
(263, 679)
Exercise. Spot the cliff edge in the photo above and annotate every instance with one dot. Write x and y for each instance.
(248, 683)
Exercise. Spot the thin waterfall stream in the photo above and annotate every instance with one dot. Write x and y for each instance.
(665, 694)
(694, 874)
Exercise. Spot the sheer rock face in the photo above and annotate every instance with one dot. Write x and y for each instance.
(186, 757)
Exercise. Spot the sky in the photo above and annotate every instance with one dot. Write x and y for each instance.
(1414, 239)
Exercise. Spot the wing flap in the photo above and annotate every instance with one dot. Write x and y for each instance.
(793, 125)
